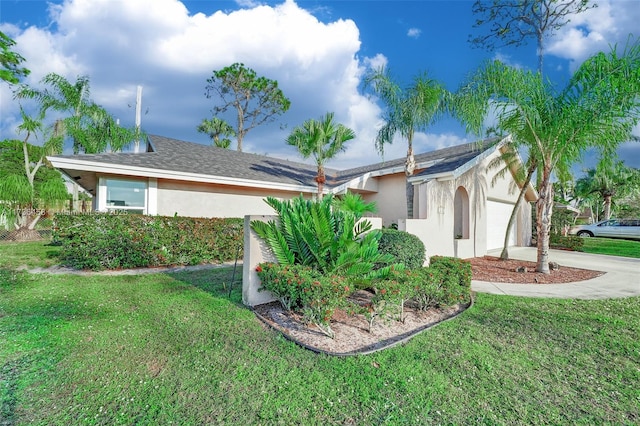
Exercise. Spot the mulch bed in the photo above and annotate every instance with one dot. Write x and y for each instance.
(493, 269)
(352, 336)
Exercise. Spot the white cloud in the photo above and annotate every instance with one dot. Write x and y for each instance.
(414, 32)
(424, 142)
(507, 60)
(160, 45)
(377, 61)
(597, 29)
(171, 53)
(247, 3)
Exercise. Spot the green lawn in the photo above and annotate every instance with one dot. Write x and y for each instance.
(614, 247)
(162, 348)
(33, 254)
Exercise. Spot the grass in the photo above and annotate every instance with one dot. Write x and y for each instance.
(172, 347)
(610, 246)
(32, 254)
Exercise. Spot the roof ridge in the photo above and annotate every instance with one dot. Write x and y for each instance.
(232, 152)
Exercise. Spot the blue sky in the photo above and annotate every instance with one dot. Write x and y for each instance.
(317, 50)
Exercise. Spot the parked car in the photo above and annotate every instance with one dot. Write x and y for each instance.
(612, 228)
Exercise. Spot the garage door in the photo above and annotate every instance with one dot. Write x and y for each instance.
(497, 218)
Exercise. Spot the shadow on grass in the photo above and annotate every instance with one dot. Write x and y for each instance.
(219, 282)
(10, 372)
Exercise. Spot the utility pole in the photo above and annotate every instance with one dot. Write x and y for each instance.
(138, 117)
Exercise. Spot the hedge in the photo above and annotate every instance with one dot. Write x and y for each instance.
(114, 241)
(570, 242)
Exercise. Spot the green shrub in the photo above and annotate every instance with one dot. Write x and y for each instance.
(317, 295)
(560, 220)
(428, 288)
(306, 289)
(286, 282)
(321, 298)
(405, 248)
(458, 270)
(110, 241)
(454, 277)
(391, 293)
(570, 242)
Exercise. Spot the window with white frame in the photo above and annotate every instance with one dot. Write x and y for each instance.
(126, 195)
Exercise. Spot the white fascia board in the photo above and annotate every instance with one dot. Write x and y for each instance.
(416, 180)
(383, 172)
(119, 169)
(566, 207)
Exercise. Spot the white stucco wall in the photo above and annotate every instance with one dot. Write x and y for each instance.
(501, 190)
(435, 228)
(255, 252)
(201, 200)
(390, 198)
(434, 210)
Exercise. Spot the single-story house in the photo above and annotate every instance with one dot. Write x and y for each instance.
(458, 210)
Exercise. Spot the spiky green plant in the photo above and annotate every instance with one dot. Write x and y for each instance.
(328, 239)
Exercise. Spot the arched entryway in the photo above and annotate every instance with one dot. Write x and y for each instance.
(461, 214)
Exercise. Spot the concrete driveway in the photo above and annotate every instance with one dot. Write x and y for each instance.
(622, 277)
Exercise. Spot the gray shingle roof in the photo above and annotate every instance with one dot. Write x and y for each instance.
(180, 156)
(448, 159)
(188, 157)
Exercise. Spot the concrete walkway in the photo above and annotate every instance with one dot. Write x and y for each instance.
(622, 277)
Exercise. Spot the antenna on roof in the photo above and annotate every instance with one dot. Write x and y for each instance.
(138, 117)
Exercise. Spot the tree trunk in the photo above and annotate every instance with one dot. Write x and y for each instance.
(25, 228)
(320, 180)
(409, 168)
(607, 207)
(240, 133)
(24, 234)
(544, 209)
(504, 255)
(34, 222)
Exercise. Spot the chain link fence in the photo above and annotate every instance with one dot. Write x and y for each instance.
(43, 227)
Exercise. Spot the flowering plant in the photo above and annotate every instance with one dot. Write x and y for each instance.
(286, 282)
(302, 288)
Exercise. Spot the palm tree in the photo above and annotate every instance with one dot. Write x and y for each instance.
(510, 162)
(408, 110)
(91, 128)
(607, 183)
(23, 199)
(216, 127)
(10, 61)
(321, 140)
(598, 108)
